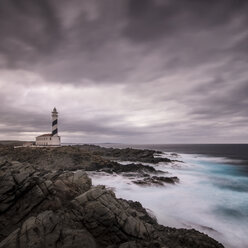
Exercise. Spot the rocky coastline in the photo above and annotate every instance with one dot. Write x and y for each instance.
(47, 200)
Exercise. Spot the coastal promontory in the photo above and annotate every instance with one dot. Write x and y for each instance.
(47, 200)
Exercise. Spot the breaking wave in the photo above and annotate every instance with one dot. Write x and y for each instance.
(212, 196)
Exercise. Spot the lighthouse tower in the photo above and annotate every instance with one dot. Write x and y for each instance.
(50, 139)
(55, 122)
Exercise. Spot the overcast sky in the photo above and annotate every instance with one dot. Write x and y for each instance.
(133, 71)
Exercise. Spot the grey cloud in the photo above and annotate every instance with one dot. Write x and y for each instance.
(185, 57)
(228, 106)
(28, 29)
(36, 38)
(13, 121)
(151, 19)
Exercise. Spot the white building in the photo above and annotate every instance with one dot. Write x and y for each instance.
(50, 139)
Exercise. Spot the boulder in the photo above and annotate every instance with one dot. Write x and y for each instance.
(109, 219)
(48, 229)
(25, 191)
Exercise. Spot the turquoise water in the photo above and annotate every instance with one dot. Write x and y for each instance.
(212, 197)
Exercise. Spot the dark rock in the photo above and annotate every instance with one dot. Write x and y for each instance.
(25, 191)
(97, 218)
(155, 180)
(143, 213)
(48, 229)
(126, 224)
(43, 206)
(66, 158)
(174, 154)
(140, 244)
(166, 179)
(77, 157)
(127, 154)
(110, 220)
(114, 167)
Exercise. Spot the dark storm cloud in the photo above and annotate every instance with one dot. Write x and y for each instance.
(14, 118)
(37, 33)
(28, 29)
(37, 36)
(169, 62)
(151, 19)
(216, 105)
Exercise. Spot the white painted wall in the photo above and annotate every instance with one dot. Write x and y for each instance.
(48, 141)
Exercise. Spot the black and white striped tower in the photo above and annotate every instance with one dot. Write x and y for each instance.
(55, 122)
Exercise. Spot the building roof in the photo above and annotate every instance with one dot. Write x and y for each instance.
(44, 135)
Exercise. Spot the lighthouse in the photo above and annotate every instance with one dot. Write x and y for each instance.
(50, 139)
(55, 122)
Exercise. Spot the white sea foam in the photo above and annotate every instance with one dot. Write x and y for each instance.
(201, 200)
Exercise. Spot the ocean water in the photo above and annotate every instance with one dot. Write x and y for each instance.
(212, 195)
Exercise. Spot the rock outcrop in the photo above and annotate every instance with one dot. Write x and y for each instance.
(114, 167)
(110, 220)
(49, 229)
(45, 207)
(126, 154)
(25, 191)
(41, 208)
(156, 180)
(77, 157)
(66, 158)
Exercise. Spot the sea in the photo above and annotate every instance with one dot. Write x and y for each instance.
(212, 195)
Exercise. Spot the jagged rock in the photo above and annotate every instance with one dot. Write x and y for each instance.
(66, 158)
(139, 244)
(116, 221)
(84, 157)
(97, 218)
(111, 167)
(42, 207)
(108, 219)
(25, 190)
(155, 180)
(48, 230)
(144, 214)
(126, 154)
(173, 154)
(78, 157)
